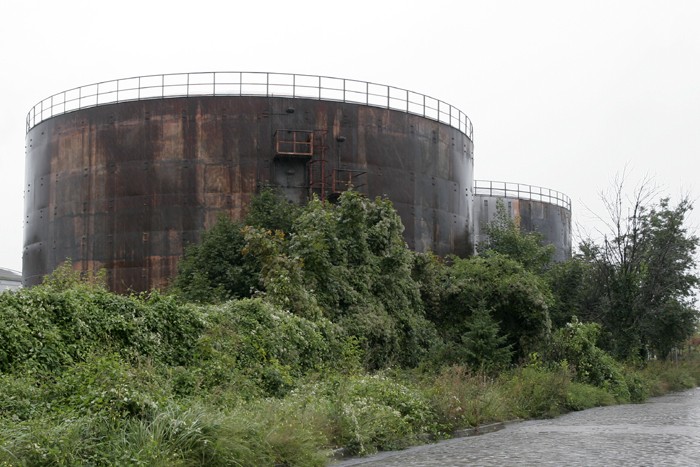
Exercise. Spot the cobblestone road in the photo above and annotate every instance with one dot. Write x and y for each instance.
(662, 432)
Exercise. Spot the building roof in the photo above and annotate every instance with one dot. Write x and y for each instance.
(10, 275)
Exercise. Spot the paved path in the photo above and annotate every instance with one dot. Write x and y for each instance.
(662, 432)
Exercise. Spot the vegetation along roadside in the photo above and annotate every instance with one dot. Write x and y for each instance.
(308, 329)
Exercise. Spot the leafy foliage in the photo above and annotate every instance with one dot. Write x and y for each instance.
(216, 269)
(89, 377)
(281, 274)
(485, 349)
(257, 342)
(47, 329)
(575, 344)
(517, 299)
(575, 292)
(358, 266)
(201, 392)
(505, 237)
(642, 275)
(268, 210)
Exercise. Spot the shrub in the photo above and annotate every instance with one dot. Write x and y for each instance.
(516, 299)
(575, 344)
(665, 377)
(45, 329)
(461, 398)
(584, 396)
(104, 384)
(536, 392)
(367, 413)
(251, 339)
(216, 269)
(20, 397)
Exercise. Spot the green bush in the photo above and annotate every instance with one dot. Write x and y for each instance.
(20, 397)
(638, 385)
(217, 269)
(536, 392)
(45, 329)
(664, 377)
(367, 413)
(582, 396)
(516, 299)
(463, 399)
(109, 386)
(575, 344)
(253, 340)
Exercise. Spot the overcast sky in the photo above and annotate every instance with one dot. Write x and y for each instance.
(562, 94)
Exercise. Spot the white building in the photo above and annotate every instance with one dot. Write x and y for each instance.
(10, 280)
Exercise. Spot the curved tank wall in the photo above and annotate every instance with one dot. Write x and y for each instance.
(126, 186)
(537, 209)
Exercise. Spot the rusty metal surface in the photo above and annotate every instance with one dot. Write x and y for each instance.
(127, 186)
(551, 218)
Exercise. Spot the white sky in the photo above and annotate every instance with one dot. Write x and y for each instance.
(562, 94)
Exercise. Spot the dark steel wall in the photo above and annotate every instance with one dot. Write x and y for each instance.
(127, 186)
(548, 219)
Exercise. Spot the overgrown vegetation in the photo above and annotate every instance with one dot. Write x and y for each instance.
(303, 330)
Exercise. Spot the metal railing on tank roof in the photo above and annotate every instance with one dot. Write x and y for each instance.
(243, 83)
(521, 191)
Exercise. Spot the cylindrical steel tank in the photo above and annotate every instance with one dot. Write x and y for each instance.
(536, 209)
(123, 175)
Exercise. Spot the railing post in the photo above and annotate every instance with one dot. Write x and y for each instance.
(461, 122)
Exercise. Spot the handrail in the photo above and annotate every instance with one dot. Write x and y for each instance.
(521, 191)
(244, 83)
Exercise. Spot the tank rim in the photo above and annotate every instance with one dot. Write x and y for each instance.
(248, 83)
(522, 191)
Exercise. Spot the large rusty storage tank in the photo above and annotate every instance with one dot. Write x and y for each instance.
(536, 209)
(124, 174)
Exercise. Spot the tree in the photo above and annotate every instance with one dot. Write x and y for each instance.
(359, 267)
(576, 344)
(216, 269)
(485, 348)
(668, 280)
(506, 237)
(644, 273)
(575, 292)
(271, 211)
(518, 300)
